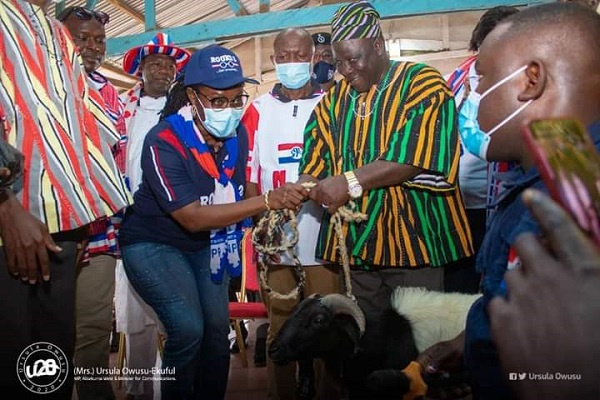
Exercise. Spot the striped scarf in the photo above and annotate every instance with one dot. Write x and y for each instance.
(225, 242)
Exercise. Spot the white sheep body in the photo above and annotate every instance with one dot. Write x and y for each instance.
(433, 316)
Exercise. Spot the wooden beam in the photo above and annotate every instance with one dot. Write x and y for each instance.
(59, 8)
(257, 24)
(445, 31)
(150, 14)
(132, 12)
(122, 76)
(237, 8)
(258, 58)
(264, 6)
(91, 4)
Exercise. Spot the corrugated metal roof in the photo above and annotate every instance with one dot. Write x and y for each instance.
(170, 13)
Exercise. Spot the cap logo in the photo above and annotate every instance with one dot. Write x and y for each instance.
(224, 63)
(320, 38)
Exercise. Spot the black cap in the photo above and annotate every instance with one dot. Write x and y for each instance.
(321, 38)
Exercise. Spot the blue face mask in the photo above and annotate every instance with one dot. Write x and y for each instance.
(293, 75)
(323, 72)
(472, 137)
(221, 124)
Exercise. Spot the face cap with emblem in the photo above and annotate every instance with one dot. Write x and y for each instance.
(216, 67)
(321, 38)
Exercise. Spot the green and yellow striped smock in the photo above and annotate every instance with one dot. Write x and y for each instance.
(409, 118)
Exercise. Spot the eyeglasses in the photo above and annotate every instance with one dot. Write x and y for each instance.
(84, 14)
(221, 103)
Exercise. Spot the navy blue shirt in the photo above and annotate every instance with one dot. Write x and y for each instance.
(511, 219)
(172, 179)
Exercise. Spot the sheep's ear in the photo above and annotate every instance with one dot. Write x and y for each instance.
(350, 328)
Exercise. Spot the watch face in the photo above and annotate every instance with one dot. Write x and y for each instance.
(355, 191)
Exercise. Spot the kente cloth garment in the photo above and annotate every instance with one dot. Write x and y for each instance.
(57, 121)
(408, 118)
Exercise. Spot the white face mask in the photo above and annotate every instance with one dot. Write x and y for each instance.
(221, 124)
(472, 136)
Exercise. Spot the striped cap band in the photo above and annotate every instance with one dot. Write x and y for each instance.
(357, 20)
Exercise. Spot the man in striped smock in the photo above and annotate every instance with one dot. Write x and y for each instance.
(70, 179)
(385, 137)
(96, 273)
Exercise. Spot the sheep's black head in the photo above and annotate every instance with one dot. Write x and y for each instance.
(320, 327)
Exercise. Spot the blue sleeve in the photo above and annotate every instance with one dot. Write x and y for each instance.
(493, 256)
(164, 166)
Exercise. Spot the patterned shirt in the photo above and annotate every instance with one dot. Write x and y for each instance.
(57, 122)
(409, 118)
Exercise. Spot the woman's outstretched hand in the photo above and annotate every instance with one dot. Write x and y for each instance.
(290, 195)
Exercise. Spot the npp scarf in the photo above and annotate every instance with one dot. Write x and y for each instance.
(225, 242)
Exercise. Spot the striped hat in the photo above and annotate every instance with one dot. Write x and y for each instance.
(357, 20)
(160, 44)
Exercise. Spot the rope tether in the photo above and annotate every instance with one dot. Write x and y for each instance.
(270, 239)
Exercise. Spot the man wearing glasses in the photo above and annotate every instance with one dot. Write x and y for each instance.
(96, 274)
(275, 124)
(156, 64)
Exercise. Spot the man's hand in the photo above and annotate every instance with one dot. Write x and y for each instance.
(331, 193)
(446, 356)
(26, 242)
(549, 323)
(440, 360)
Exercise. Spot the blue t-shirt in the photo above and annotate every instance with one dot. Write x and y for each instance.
(172, 179)
(510, 220)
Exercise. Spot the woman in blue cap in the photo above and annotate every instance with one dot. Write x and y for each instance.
(180, 239)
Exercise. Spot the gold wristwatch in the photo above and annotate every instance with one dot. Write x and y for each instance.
(355, 190)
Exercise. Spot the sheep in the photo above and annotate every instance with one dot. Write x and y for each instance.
(330, 327)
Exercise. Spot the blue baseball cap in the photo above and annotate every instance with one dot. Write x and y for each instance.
(216, 67)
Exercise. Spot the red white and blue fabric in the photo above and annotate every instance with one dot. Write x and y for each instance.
(497, 184)
(160, 44)
(456, 80)
(225, 242)
(103, 232)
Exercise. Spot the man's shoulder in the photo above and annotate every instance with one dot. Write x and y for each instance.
(262, 100)
(514, 217)
(132, 94)
(416, 72)
(161, 132)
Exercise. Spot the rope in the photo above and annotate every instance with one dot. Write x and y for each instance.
(269, 239)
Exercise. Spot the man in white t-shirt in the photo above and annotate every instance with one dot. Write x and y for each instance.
(275, 124)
